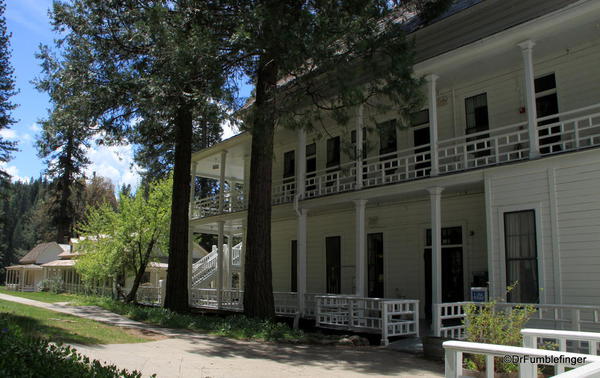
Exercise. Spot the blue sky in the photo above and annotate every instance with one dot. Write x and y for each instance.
(29, 24)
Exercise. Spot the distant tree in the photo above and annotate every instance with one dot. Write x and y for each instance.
(66, 134)
(125, 239)
(7, 90)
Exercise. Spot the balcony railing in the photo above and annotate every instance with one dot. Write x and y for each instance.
(558, 133)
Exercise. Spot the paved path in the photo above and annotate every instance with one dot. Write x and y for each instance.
(187, 354)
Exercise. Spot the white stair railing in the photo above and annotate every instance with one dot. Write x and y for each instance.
(204, 268)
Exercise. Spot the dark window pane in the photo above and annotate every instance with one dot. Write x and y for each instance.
(476, 113)
(545, 83)
(333, 151)
(387, 137)
(333, 264)
(294, 275)
(311, 157)
(311, 149)
(520, 247)
(288, 164)
(450, 236)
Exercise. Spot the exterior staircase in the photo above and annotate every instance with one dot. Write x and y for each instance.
(204, 271)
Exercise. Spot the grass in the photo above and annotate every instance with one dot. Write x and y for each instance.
(39, 296)
(235, 326)
(59, 327)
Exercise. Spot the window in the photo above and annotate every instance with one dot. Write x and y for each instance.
(289, 162)
(375, 265)
(311, 157)
(333, 264)
(145, 278)
(294, 271)
(387, 137)
(476, 113)
(333, 152)
(364, 142)
(520, 248)
(419, 121)
(546, 103)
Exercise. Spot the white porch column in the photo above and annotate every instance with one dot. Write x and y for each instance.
(433, 122)
(435, 196)
(359, 145)
(527, 51)
(229, 275)
(222, 181)
(243, 256)
(301, 164)
(190, 257)
(360, 207)
(220, 264)
(301, 259)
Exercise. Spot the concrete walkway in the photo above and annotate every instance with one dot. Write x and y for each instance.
(188, 354)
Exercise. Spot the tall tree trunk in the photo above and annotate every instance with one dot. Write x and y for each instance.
(139, 274)
(258, 285)
(176, 294)
(63, 219)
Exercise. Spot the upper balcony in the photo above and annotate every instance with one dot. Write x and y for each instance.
(556, 134)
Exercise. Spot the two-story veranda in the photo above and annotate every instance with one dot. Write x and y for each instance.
(495, 181)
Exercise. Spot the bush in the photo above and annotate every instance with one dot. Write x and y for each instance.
(484, 324)
(22, 356)
(54, 285)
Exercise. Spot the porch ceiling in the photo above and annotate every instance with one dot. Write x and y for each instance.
(208, 162)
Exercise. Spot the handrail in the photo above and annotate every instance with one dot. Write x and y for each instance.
(568, 112)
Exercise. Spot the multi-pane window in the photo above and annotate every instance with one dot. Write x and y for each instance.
(419, 122)
(546, 103)
(311, 157)
(520, 247)
(476, 112)
(289, 163)
(387, 137)
(333, 152)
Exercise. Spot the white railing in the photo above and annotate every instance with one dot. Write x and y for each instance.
(454, 351)
(231, 299)
(449, 317)
(234, 200)
(149, 295)
(567, 131)
(389, 317)
(204, 268)
(563, 341)
(236, 253)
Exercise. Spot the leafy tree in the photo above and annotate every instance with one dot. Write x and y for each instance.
(310, 60)
(126, 239)
(158, 70)
(7, 90)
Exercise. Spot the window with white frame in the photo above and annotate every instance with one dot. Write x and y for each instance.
(520, 249)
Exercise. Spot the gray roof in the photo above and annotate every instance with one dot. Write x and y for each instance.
(32, 256)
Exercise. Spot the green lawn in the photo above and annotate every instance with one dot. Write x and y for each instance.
(39, 296)
(59, 327)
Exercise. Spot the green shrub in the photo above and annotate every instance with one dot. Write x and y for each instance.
(486, 324)
(22, 356)
(54, 285)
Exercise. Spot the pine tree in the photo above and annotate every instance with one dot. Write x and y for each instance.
(158, 71)
(7, 90)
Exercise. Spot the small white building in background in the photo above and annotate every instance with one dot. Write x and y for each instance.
(495, 180)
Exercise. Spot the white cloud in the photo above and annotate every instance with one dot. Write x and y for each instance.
(35, 127)
(8, 134)
(115, 163)
(12, 171)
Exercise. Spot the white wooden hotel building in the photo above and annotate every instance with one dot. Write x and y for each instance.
(496, 180)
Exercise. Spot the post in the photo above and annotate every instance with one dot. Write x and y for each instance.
(435, 197)
(242, 258)
(301, 260)
(359, 146)
(222, 181)
(301, 164)
(433, 124)
(453, 363)
(221, 225)
(190, 257)
(228, 276)
(360, 256)
(527, 51)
